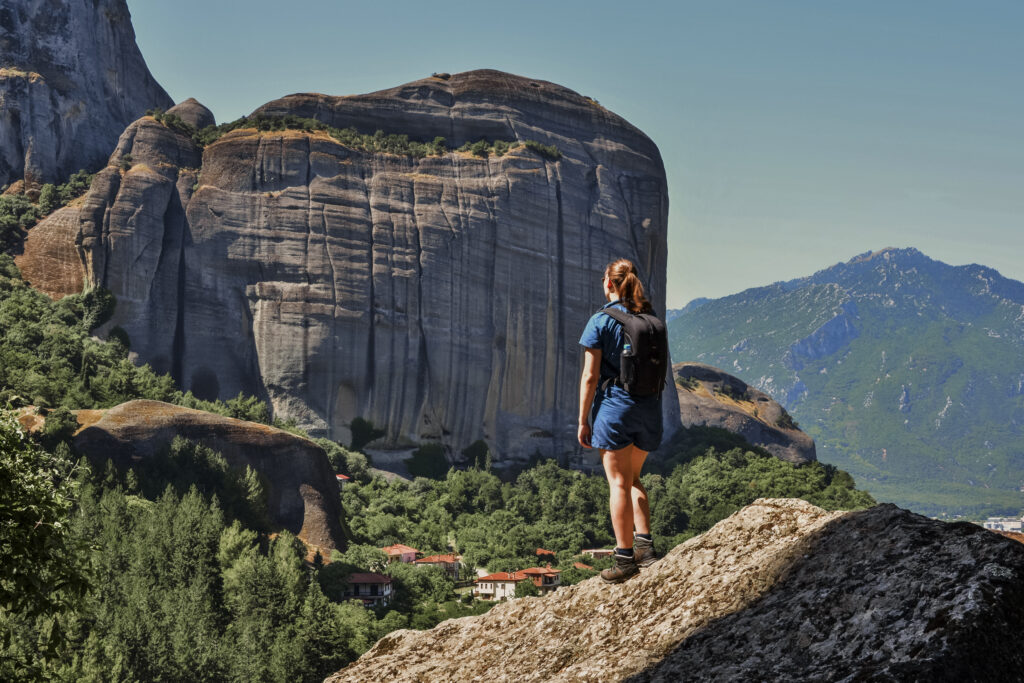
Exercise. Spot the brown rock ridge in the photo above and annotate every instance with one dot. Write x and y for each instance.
(71, 79)
(440, 298)
(779, 591)
(302, 495)
(709, 397)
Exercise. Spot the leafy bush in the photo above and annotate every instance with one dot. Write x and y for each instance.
(428, 461)
(363, 432)
(547, 151)
(526, 588)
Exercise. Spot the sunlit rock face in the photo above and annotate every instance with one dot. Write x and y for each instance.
(71, 79)
(441, 298)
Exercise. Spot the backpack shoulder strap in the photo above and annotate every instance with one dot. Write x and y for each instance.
(616, 314)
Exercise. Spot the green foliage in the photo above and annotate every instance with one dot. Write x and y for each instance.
(59, 427)
(344, 461)
(428, 461)
(379, 142)
(550, 152)
(363, 432)
(786, 421)
(41, 569)
(18, 213)
(915, 389)
(526, 588)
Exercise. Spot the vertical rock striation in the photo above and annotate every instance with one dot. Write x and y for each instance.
(71, 79)
(440, 298)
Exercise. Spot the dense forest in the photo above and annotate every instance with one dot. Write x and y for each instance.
(170, 570)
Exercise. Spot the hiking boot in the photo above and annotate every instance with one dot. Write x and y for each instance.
(643, 552)
(624, 567)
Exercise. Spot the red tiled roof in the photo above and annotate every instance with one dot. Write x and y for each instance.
(438, 558)
(580, 565)
(541, 551)
(541, 571)
(503, 576)
(368, 577)
(343, 477)
(520, 575)
(398, 549)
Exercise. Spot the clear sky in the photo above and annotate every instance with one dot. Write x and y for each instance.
(795, 134)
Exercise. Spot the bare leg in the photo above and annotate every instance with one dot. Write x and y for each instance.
(618, 468)
(641, 508)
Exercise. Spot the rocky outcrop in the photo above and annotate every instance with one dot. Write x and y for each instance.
(71, 79)
(780, 591)
(709, 397)
(49, 260)
(302, 494)
(441, 298)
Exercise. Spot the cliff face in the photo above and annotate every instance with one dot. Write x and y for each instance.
(440, 298)
(709, 397)
(71, 79)
(780, 591)
(302, 493)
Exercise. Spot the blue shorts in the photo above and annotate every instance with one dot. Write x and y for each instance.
(619, 420)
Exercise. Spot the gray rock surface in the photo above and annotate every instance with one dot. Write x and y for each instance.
(709, 397)
(779, 591)
(440, 298)
(302, 493)
(193, 113)
(71, 79)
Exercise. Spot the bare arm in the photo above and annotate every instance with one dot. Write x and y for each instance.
(588, 385)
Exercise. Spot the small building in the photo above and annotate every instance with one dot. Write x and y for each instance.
(371, 588)
(545, 555)
(497, 586)
(342, 479)
(1004, 524)
(449, 563)
(580, 565)
(400, 553)
(598, 553)
(503, 584)
(544, 578)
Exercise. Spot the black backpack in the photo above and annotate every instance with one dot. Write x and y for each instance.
(643, 363)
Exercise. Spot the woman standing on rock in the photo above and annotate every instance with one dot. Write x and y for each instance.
(625, 424)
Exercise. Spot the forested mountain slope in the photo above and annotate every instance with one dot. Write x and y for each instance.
(905, 370)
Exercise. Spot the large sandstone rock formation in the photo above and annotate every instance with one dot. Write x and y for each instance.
(441, 298)
(780, 591)
(302, 493)
(709, 397)
(71, 79)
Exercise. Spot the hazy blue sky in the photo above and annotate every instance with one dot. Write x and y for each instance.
(795, 134)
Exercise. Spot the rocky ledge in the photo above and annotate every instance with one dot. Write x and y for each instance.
(709, 397)
(302, 494)
(779, 591)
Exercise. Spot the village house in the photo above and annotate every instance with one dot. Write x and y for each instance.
(580, 565)
(1004, 524)
(400, 553)
(372, 588)
(497, 586)
(449, 563)
(503, 584)
(342, 479)
(544, 578)
(598, 553)
(545, 555)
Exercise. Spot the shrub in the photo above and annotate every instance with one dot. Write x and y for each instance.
(363, 432)
(547, 151)
(429, 461)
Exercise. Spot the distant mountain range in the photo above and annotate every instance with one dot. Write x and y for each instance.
(906, 371)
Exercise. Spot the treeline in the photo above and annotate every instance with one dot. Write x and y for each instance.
(169, 571)
(377, 142)
(501, 525)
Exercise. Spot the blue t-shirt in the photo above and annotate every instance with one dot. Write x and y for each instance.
(605, 332)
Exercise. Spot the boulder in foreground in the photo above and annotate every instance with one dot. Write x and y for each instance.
(781, 590)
